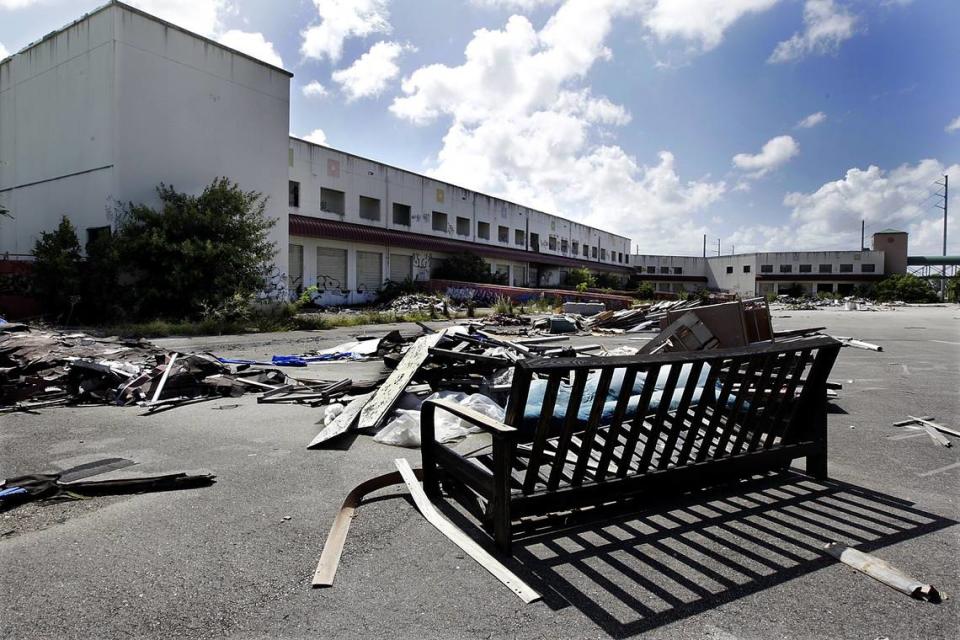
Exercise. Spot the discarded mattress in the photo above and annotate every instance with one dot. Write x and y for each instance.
(531, 413)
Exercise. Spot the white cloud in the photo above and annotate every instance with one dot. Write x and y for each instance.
(199, 16)
(317, 136)
(17, 4)
(829, 217)
(314, 90)
(826, 27)
(812, 120)
(520, 5)
(523, 125)
(340, 20)
(701, 21)
(775, 153)
(3, 51)
(369, 74)
(953, 126)
(252, 44)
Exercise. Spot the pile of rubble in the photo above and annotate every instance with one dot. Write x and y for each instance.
(848, 303)
(417, 302)
(638, 318)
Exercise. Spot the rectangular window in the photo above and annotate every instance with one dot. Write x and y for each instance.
(868, 268)
(295, 275)
(369, 271)
(331, 269)
(463, 226)
(786, 268)
(586, 251)
(519, 276)
(846, 268)
(483, 230)
(563, 246)
(603, 254)
(651, 269)
(401, 267)
(293, 193)
(677, 271)
(401, 214)
(575, 249)
(826, 268)
(535, 241)
(503, 234)
(519, 238)
(664, 269)
(593, 252)
(806, 268)
(331, 201)
(766, 268)
(439, 221)
(552, 243)
(746, 268)
(369, 208)
(730, 269)
(620, 257)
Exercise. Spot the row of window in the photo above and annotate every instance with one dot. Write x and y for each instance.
(823, 268)
(665, 270)
(333, 201)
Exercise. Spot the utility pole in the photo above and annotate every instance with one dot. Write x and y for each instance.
(943, 269)
(863, 225)
(704, 245)
(718, 247)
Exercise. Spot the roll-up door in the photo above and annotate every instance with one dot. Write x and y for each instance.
(369, 271)
(331, 268)
(401, 267)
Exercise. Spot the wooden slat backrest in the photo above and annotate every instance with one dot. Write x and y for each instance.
(748, 402)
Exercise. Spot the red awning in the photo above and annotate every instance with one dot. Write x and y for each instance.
(336, 230)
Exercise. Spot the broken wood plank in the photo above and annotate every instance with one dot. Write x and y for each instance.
(479, 358)
(375, 411)
(937, 437)
(163, 378)
(461, 539)
(906, 423)
(343, 422)
(938, 427)
(333, 547)
(504, 343)
(880, 570)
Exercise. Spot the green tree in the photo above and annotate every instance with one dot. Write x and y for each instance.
(905, 287)
(645, 291)
(195, 253)
(953, 288)
(582, 276)
(56, 269)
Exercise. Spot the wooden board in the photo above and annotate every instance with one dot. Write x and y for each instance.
(333, 548)
(461, 539)
(343, 422)
(376, 410)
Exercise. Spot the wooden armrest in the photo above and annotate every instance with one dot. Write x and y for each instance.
(470, 415)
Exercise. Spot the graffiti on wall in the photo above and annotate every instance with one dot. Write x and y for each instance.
(421, 266)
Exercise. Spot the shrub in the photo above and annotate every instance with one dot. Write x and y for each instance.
(582, 279)
(467, 267)
(194, 253)
(56, 269)
(953, 288)
(905, 287)
(645, 291)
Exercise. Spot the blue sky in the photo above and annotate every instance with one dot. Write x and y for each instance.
(662, 120)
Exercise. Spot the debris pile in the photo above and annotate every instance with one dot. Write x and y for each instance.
(417, 302)
(506, 320)
(639, 318)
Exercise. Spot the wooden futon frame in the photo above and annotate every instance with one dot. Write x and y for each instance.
(741, 412)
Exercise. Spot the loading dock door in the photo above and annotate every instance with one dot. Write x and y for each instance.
(331, 268)
(401, 267)
(369, 271)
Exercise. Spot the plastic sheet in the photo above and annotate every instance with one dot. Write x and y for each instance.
(404, 429)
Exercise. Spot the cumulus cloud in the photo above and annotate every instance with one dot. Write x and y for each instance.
(252, 44)
(314, 90)
(340, 20)
(317, 136)
(703, 22)
(826, 27)
(519, 5)
(829, 217)
(370, 74)
(199, 16)
(812, 120)
(522, 124)
(953, 126)
(775, 153)
(3, 51)
(17, 4)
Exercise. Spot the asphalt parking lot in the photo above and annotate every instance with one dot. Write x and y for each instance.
(236, 559)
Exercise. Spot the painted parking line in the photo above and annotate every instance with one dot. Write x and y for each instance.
(946, 342)
(904, 436)
(940, 470)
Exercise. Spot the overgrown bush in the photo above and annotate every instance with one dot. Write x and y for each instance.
(467, 267)
(953, 288)
(645, 291)
(905, 287)
(391, 289)
(56, 270)
(582, 279)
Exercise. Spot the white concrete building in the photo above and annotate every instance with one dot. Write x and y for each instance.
(751, 274)
(97, 114)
